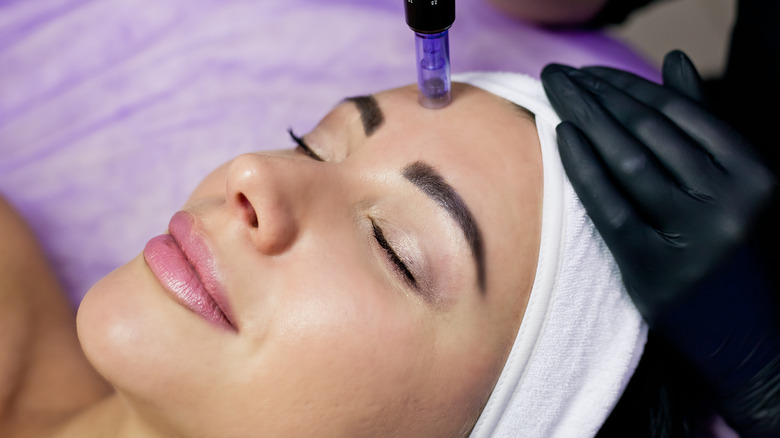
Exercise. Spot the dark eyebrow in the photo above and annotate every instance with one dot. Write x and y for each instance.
(370, 113)
(427, 179)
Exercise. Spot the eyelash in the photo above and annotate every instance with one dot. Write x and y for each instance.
(380, 238)
(303, 146)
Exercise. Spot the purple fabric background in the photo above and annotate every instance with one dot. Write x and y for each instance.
(111, 111)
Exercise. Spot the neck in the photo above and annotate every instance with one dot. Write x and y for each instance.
(109, 417)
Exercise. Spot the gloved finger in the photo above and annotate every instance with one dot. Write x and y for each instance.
(689, 164)
(680, 75)
(708, 131)
(633, 166)
(613, 215)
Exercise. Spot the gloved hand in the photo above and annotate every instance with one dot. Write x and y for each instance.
(674, 192)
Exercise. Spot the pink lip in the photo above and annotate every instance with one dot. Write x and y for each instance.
(183, 264)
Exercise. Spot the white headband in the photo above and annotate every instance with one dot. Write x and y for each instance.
(581, 337)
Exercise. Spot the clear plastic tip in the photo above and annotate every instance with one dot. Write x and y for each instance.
(433, 69)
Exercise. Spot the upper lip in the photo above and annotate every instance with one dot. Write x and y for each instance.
(198, 253)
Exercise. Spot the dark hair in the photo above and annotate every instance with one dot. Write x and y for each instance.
(663, 398)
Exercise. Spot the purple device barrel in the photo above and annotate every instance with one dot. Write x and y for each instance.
(433, 69)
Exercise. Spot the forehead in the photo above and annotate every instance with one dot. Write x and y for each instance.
(466, 139)
(477, 125)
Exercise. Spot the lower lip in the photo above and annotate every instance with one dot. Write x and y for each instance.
(177, 276)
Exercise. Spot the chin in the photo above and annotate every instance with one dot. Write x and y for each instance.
(132, 332)
(159, 356)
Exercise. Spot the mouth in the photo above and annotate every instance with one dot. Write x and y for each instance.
(183, 264)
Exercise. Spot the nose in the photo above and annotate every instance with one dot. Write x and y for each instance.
(267, 194)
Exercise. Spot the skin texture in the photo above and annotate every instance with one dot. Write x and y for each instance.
(330, 338)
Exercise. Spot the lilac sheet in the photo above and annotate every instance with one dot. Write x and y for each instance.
(111, 111)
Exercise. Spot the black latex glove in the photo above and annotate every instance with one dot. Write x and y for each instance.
(674, 192)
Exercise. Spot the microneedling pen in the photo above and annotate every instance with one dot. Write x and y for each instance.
(430, 21)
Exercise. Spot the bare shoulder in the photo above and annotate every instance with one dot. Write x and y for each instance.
(19, 251)
(43, 374)
(15, 309)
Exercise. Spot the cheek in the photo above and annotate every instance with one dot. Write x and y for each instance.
(347, 318)
(340, 345)
(335, 341)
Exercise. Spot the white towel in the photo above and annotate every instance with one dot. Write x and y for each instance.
(581, 337)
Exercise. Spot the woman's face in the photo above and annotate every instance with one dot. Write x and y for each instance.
(377, 292)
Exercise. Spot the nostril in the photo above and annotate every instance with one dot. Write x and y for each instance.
(249, 211)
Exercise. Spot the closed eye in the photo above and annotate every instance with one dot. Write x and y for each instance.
(304, 148)
(391, 254)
